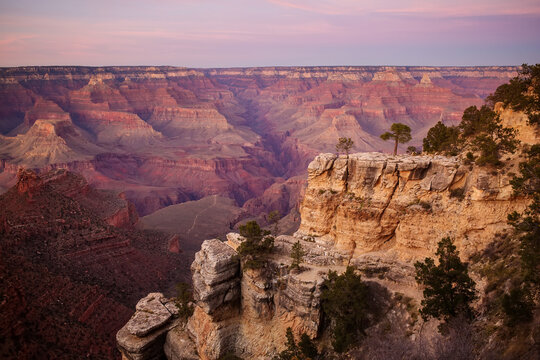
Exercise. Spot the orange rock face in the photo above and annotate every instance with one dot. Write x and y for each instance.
(166, 135)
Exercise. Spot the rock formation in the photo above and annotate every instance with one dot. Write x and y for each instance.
(402, 204)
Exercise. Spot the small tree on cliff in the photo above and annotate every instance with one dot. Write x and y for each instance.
(297, 255)
(344, 145)
(256, 245)
(519, 303)
(482, 130)
(304, 350)
(442, 138)
(448, 289)
(522, 93)
(401, 133)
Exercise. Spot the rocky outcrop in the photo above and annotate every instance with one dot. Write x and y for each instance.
(239, 313)
(143, 337)
(216, 276)
(404, 204)
(377, 212)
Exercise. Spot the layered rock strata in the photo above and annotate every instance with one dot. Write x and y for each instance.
(404, 205)
(160, 132)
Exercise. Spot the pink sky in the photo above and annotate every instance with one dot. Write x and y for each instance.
(224, 33)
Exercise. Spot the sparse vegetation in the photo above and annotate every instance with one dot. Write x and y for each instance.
(448, 289)
(257, 244)
(457, 193)
(344, 145)
(442, 139)
(518, 304)
(401, 133)
(184, 300)
(412, 150)
(304, 350)
(273, 219)
(481, 129)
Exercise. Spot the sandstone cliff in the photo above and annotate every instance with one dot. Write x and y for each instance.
(404, 205)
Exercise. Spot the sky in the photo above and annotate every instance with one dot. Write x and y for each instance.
(241, 33)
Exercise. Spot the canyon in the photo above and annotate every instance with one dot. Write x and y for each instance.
(70, 266)
(165, 135)
(113, 177)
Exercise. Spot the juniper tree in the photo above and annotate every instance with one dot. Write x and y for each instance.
(297, 255)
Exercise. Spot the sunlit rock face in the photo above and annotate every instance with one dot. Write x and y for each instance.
(404, 205)
(165, 135)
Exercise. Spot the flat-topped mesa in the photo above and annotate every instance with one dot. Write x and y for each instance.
(370, 202)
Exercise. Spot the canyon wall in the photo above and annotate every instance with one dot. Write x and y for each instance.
(166, 135)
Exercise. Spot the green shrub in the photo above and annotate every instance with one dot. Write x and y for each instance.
(522, 93)
(297, 255)
(517, 306)
(304, 350)
(184, 300)
(425, 205)
(441, 139)
(482, 129)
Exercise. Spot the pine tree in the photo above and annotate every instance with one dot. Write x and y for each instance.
(401, 133)
(448, 289)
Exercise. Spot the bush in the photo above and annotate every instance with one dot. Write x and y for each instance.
(517, 306)
(305, 350)
(344, 302)
(297, 255)
(344, 145)
(458, 193)
(482, 130)
(522, 93)
(411, 150)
